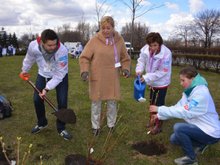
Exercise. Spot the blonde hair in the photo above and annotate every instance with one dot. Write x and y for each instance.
(107, 19)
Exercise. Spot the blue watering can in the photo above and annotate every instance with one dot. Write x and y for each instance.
(139, 89)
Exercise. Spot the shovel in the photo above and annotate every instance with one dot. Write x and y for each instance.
(64, 115)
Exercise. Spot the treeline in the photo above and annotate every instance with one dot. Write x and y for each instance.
(8, 39)
(195, 50)
(205, 62)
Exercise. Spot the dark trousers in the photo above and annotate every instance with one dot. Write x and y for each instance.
(157, 96)
(61, 93)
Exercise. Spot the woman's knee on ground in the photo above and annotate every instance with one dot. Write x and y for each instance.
(173, 139)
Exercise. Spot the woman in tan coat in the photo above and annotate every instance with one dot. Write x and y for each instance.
(102, 58)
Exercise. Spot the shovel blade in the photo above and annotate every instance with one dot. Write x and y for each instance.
(66, 115)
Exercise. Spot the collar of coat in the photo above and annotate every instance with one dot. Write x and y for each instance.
(160, 54)
(116, 37)
(198, 80)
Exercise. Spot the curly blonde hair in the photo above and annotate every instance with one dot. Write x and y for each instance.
(107, 19)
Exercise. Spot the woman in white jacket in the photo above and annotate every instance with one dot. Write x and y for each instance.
(154, 67)
(196, 107)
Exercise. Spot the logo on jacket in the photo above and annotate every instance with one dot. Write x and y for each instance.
(166, 66)
(63, 64)
(192, 103)
(63, 58)
(186, 107)
(63, 61)
(165, 69)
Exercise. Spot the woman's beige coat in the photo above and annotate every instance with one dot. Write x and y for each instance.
(98, 59)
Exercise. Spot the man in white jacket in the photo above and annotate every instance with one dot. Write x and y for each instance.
(154, 67)
(197, 108)
(51, 57)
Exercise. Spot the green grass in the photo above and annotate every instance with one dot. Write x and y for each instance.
(133, 118)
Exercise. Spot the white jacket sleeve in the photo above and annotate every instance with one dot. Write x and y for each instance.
(162, 71)
(189, 108)
(29, 59)
(141, 63)
(60, 71)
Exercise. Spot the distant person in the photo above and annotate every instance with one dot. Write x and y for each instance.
(197, 108)
(154, 66)
(4, 51)
(100, 62)
(10, 50)
(51, 57)
(13, 51)
(80, 48)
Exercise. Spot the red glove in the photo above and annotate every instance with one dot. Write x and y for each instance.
(24, 76)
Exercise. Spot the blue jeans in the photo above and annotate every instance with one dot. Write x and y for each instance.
(61, 92)
(188, 136)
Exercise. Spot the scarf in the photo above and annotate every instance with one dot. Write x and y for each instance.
(47, 56)
(198, 80)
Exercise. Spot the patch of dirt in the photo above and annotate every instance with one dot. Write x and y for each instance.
(9, 153)
(78, 159)
(66, 115)
(3, 161)
(45, 157)
(149, 148)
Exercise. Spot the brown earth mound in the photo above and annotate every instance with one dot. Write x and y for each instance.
(150, 148)
(77, 159)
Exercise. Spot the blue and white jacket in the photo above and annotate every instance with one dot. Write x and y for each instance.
(195, 107)
(56, 68)
(157, 67)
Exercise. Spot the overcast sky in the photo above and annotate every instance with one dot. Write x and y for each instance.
(32, 16)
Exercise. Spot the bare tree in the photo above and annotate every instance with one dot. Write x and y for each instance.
(208, 25)
(66, 27)
(24, 41)
(69, 36)
(101, 9)
(140, 34)
(63, 28)
(66, 34)
(137, 9)
(173, 42)
(184, 31)
(84, 30)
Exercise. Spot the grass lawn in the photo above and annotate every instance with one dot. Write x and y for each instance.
(130, 128)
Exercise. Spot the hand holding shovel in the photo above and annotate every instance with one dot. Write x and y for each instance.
(64, 115)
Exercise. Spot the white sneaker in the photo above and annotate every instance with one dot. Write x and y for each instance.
(186, 160)
(65, 135)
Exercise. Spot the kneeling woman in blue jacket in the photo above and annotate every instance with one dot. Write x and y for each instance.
(196, 107)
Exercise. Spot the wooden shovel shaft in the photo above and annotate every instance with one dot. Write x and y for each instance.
(45, 97)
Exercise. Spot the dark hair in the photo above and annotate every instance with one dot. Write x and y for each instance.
(189, 72)
(48, 34)
(154, 37)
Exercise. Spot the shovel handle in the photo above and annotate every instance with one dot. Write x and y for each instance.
(45, 97)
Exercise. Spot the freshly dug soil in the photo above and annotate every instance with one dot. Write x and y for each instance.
(9, 151)
(77, 159)
(3, 161)
(150, 148)
(66, 115)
